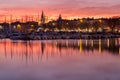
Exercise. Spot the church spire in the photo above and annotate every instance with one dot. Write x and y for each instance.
(42, 18)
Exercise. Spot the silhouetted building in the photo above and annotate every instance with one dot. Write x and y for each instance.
(59, 22)
(42, 18)
(60, 17)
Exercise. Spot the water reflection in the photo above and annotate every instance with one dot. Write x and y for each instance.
(60, 60)
(38, 50)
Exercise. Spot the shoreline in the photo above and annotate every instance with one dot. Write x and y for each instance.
(63, 35)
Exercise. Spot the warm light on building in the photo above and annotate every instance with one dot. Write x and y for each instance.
(1, 27)
(81, 21)
(19, 27)
(100, 20)
(53, 24)
(39, 23)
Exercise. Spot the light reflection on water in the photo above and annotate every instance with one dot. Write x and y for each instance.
(60, 59)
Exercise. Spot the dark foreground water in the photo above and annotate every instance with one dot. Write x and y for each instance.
(60, 60)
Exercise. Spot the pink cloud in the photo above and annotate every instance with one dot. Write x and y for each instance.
(68, 8)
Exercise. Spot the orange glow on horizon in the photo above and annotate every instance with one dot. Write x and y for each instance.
(35, 14)
(69, 9)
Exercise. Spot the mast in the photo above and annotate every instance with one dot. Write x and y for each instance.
(10, 23)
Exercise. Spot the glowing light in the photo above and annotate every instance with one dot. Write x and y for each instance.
(90, 30)
(100, 47)
(39, 23)
(100, 20)
(32, 25)
(67, 43)
(19, 26)
(92, 43)
(1, 27)
(81, 21)
(14, 27)
(80, 46)
(53, 24)
(108, 43)
(86, 43)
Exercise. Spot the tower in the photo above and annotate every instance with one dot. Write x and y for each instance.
(59, 22)
(60, 17)
(42, 18)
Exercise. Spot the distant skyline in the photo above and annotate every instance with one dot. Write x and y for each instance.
(68, 8)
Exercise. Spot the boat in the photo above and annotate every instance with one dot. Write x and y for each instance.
(19, 36)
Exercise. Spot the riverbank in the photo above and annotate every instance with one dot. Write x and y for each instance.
(61, 35)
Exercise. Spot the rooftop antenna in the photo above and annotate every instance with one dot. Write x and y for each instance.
(29, 19)
(32, 18)
(5, 19)
(26, 20)
(38, 17)
(22, 19)
(16, 19)
(11, 19)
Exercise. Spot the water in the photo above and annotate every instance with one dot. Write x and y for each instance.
(60, 60)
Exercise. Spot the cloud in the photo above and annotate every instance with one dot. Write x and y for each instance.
(68, 8)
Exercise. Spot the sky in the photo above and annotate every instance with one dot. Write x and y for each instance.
(67, 8)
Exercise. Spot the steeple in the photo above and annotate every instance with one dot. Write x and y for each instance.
(42, 18)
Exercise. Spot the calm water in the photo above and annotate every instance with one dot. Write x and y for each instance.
(60, 60)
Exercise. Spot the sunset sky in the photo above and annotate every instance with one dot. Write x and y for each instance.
(68, 8)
